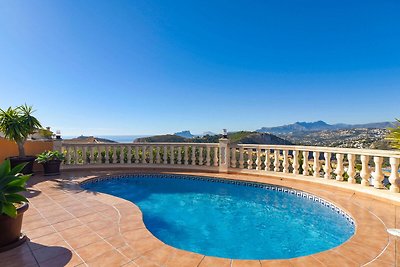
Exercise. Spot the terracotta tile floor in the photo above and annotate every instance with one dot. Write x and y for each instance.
(68, 226)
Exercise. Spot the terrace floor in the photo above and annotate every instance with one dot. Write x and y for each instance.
(68, 226)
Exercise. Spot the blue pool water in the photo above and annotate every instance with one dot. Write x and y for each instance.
(230, 220)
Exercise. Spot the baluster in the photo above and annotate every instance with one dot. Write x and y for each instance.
(158, 157)
(277, 163)
(378, 173)
(129, 154)
(144, 156)
(186, 156)
(365, 171)
(233, 157)
(208, 156)
(295, 162)
(91, 157)
(194, 156)
(114, 157)
(179, 161)
(106, 154)
(201, 158)
(351, 172)
(305, 163)
(215, 156)
(339, 167)
(99, 159)
(172, 155)
(241, 157)
(285, 161)
(137, 154)
(151, 155)
(317, 164)
(73, 154)
(165, 156)
(76, 155)
(68, 149)
(258, 159)
(267, 161)
(84, 155)
(121, 154)
(327, 166)
(394, 175)
(249, 158)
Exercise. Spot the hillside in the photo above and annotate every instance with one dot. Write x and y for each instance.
(242, 137)
(349, 138)
(321, 126)
(88, 140)
(162, 138)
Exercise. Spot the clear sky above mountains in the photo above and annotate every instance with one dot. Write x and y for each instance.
(149, 67)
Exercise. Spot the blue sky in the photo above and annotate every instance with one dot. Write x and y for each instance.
(151, 67)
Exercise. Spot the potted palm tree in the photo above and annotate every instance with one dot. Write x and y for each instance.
(12, 204)
(17, 124)
(51, 161)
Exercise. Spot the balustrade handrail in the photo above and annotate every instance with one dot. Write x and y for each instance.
(139, 144)
(355, 151)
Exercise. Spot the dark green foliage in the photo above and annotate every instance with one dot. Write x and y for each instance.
(394, 136)
(49, 155)
(242, 137)
(11, 183)
(17, 124)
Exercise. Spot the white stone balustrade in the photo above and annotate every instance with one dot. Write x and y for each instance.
(337, 165)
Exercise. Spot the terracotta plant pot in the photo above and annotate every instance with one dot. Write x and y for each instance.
(10, 236)
(52, 167)
(28, 169)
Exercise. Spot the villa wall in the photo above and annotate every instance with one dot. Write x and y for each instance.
(9, 149)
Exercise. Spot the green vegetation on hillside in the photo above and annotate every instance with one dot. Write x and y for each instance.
(162, 138)
(242, 137)
(394, 136)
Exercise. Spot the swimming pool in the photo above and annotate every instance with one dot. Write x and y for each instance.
(231, 219)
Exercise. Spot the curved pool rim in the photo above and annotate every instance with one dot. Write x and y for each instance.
(239, 181)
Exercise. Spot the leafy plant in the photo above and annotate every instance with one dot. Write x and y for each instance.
(48, 156)
(17, 124)
(394, 136)
(11, 182)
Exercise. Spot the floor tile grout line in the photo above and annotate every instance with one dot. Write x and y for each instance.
(201, 261)
(83, 223)
(51, 225)
(343, 256)
(376, 216)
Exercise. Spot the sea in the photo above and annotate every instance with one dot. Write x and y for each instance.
(116, 138)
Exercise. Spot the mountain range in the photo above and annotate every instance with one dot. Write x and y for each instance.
(322, 126)
(188, 134)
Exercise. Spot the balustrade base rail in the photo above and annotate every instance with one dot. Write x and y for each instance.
(139, 166)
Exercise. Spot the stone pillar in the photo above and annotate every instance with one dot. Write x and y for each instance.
(394, 175)
(57, 144)
(224, 155)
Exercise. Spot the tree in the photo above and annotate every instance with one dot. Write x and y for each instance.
(17, 124)
(394, 136)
